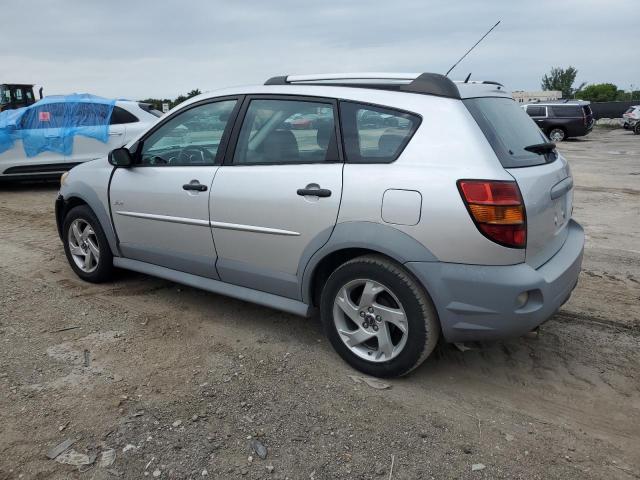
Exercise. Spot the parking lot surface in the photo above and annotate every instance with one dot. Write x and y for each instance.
(179, 381)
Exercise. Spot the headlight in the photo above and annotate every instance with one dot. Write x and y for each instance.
(63, 178)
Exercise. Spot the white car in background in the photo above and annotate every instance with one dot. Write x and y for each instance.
(128, 120)
(631, 119)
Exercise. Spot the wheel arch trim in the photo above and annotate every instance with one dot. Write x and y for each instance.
(371, 236)
(90, 198)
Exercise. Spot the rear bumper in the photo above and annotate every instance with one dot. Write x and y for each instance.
(476, 302)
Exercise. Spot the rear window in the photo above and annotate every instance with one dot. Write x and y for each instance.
(147, 107)
(374, 134)
(509, 130)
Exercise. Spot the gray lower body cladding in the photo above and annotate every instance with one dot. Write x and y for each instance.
(477, 302)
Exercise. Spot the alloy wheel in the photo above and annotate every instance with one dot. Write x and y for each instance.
(370, 320)
(83, 245)
(556, 135)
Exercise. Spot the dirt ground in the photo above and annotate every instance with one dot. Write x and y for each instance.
(179, 381)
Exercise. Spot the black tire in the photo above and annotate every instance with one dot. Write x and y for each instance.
(562, 135)
(103, 271)
(636, 128)
(423, 324)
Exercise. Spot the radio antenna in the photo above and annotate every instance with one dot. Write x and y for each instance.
(474, 46)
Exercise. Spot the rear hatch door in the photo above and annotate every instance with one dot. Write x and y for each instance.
(588, 116)
(547, 191)
(544, 178)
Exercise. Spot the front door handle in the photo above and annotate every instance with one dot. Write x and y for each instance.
(316, 192)
(194, 185)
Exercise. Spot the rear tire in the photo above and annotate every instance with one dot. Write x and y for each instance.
(557, 135)
(378, 317)
(636, 128)
(86, 245)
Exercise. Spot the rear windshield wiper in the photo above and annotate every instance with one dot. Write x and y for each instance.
(541, 148)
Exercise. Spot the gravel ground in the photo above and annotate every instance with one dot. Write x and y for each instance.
(180, 382)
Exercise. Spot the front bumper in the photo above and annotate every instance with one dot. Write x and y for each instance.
(477, 302)
(59, 212)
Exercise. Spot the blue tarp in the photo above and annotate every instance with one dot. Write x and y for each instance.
(51, 124)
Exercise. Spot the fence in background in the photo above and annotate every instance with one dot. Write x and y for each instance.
(611, 109)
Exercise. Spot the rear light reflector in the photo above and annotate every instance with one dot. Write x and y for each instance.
(497, 209)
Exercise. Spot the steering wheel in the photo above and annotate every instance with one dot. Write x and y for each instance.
(193, 155)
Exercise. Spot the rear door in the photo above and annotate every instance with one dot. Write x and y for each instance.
(538, 113)
(86, 148)
(544, 180)
(278, 194)
(160, 206)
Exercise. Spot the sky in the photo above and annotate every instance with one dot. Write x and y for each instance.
(161, 48)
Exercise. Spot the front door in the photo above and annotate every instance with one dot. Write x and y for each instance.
(278, 193)
(42, 145)
(160, 206)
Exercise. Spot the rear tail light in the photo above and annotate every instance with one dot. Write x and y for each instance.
(497, 209)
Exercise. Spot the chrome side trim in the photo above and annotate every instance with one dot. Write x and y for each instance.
(205, 223)
(166, 218)
(253, 228)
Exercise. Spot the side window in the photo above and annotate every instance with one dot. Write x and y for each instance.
(375, 134)
(287, 131)
(50, 115)
(120, 116)
(85, 114)
(567, 111)
(535, 111)
(192, 137)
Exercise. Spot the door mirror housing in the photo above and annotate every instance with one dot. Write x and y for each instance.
(120, 157)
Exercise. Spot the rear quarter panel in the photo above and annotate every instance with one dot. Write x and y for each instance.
(447, 146)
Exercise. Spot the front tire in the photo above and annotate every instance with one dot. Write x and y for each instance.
(636, 128)
(378, 317)
(86, 245)
(557, 135)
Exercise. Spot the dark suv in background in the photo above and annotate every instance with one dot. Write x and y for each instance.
(561, 120)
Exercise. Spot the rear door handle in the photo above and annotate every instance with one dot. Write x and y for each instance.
(316, 192)
(116, 134)
(194, 185)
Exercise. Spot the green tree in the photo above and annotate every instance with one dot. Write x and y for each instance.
(181, 98)
(561, 79)
(601, 92)
(157, 102)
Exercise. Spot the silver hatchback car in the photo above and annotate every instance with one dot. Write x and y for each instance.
(402, 207)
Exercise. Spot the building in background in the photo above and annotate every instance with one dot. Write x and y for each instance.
(521, 96)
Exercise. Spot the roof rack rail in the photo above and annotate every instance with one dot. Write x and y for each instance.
(425, 83)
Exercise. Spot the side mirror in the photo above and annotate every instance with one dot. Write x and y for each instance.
(120, 157)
